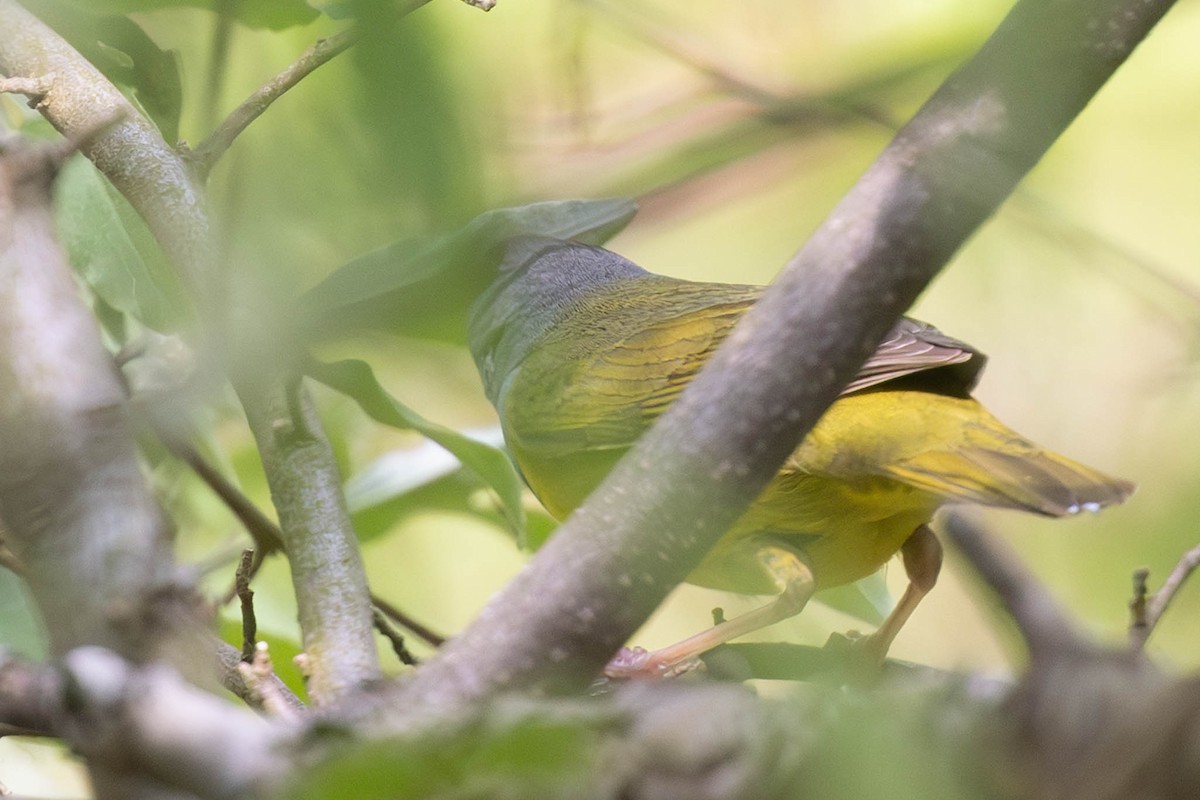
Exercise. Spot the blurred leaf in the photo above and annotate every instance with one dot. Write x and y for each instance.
(119, 48)
(272, 14)
(111, 249)
(20, 628)
(356, 380)
(423, 479)
(867, 599)
(401, 471)
(428, 152)
(506, 755)
(424, 287)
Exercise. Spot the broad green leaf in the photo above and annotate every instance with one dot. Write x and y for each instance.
(356, 380)
(421, 138)
(20, 627)
(424, 287)
(272, 14)
(402, 471)
(119, 48)
(522, 756)
(867, 599)
(428, 478)
(112, 251)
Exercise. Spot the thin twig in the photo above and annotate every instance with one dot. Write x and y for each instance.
(1139, 627)
(1163, 597)
(251, 690)
(393, 636)
(246, 595)
(773, 105)
(407, 622)
(266, 534)
(208, 152)
(34, 88)
(1158, 603)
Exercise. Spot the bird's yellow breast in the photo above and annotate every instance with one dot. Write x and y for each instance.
(831, 502)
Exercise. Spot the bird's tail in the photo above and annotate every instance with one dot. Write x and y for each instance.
(1039, 481)
(994, 466)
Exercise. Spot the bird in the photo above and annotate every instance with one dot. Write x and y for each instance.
(580, 350)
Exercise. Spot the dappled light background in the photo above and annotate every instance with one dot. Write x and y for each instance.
(737, 126)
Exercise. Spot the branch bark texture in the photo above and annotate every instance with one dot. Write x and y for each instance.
(674, 495)
(327, 571)
(76, 509)
(132, 154)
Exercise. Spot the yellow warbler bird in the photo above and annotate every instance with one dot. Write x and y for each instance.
(580, 350)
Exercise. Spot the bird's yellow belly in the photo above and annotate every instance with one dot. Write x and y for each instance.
(843, 530)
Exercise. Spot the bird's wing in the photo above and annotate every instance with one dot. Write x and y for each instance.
(607, 397)
(913, 347)
(606, 393)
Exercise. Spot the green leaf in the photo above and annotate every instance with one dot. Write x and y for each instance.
(424, 287)
(867, 599)
(402, 471)
(272, 14)
(119, 48)
(20, 627)
(428, 478)
(355, 379)
(421, 140)
(527, 754)
(112, 250)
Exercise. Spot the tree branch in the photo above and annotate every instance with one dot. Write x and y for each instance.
(265, 533)
(327, 570)
(146, 721)
(74, 96)
(1044, 625)
(77, 513)
(708, 457)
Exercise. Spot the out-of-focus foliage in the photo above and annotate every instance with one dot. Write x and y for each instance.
(274, 14)
(355, 379)
(729, 745)
(423, 288)
(113, 251)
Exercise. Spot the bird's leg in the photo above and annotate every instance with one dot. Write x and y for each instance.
(796, 585)
(922, 555)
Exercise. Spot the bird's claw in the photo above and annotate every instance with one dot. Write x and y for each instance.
(638, 662)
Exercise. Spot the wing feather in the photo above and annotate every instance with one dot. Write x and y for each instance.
(615, 386)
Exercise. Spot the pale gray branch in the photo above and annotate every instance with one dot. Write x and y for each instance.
(327, 570)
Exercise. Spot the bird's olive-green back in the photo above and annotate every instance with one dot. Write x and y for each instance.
(580, 350)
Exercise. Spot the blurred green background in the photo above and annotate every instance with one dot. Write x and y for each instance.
(736, 126)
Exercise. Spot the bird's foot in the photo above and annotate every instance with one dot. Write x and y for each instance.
(638, 662)
(862, 654)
